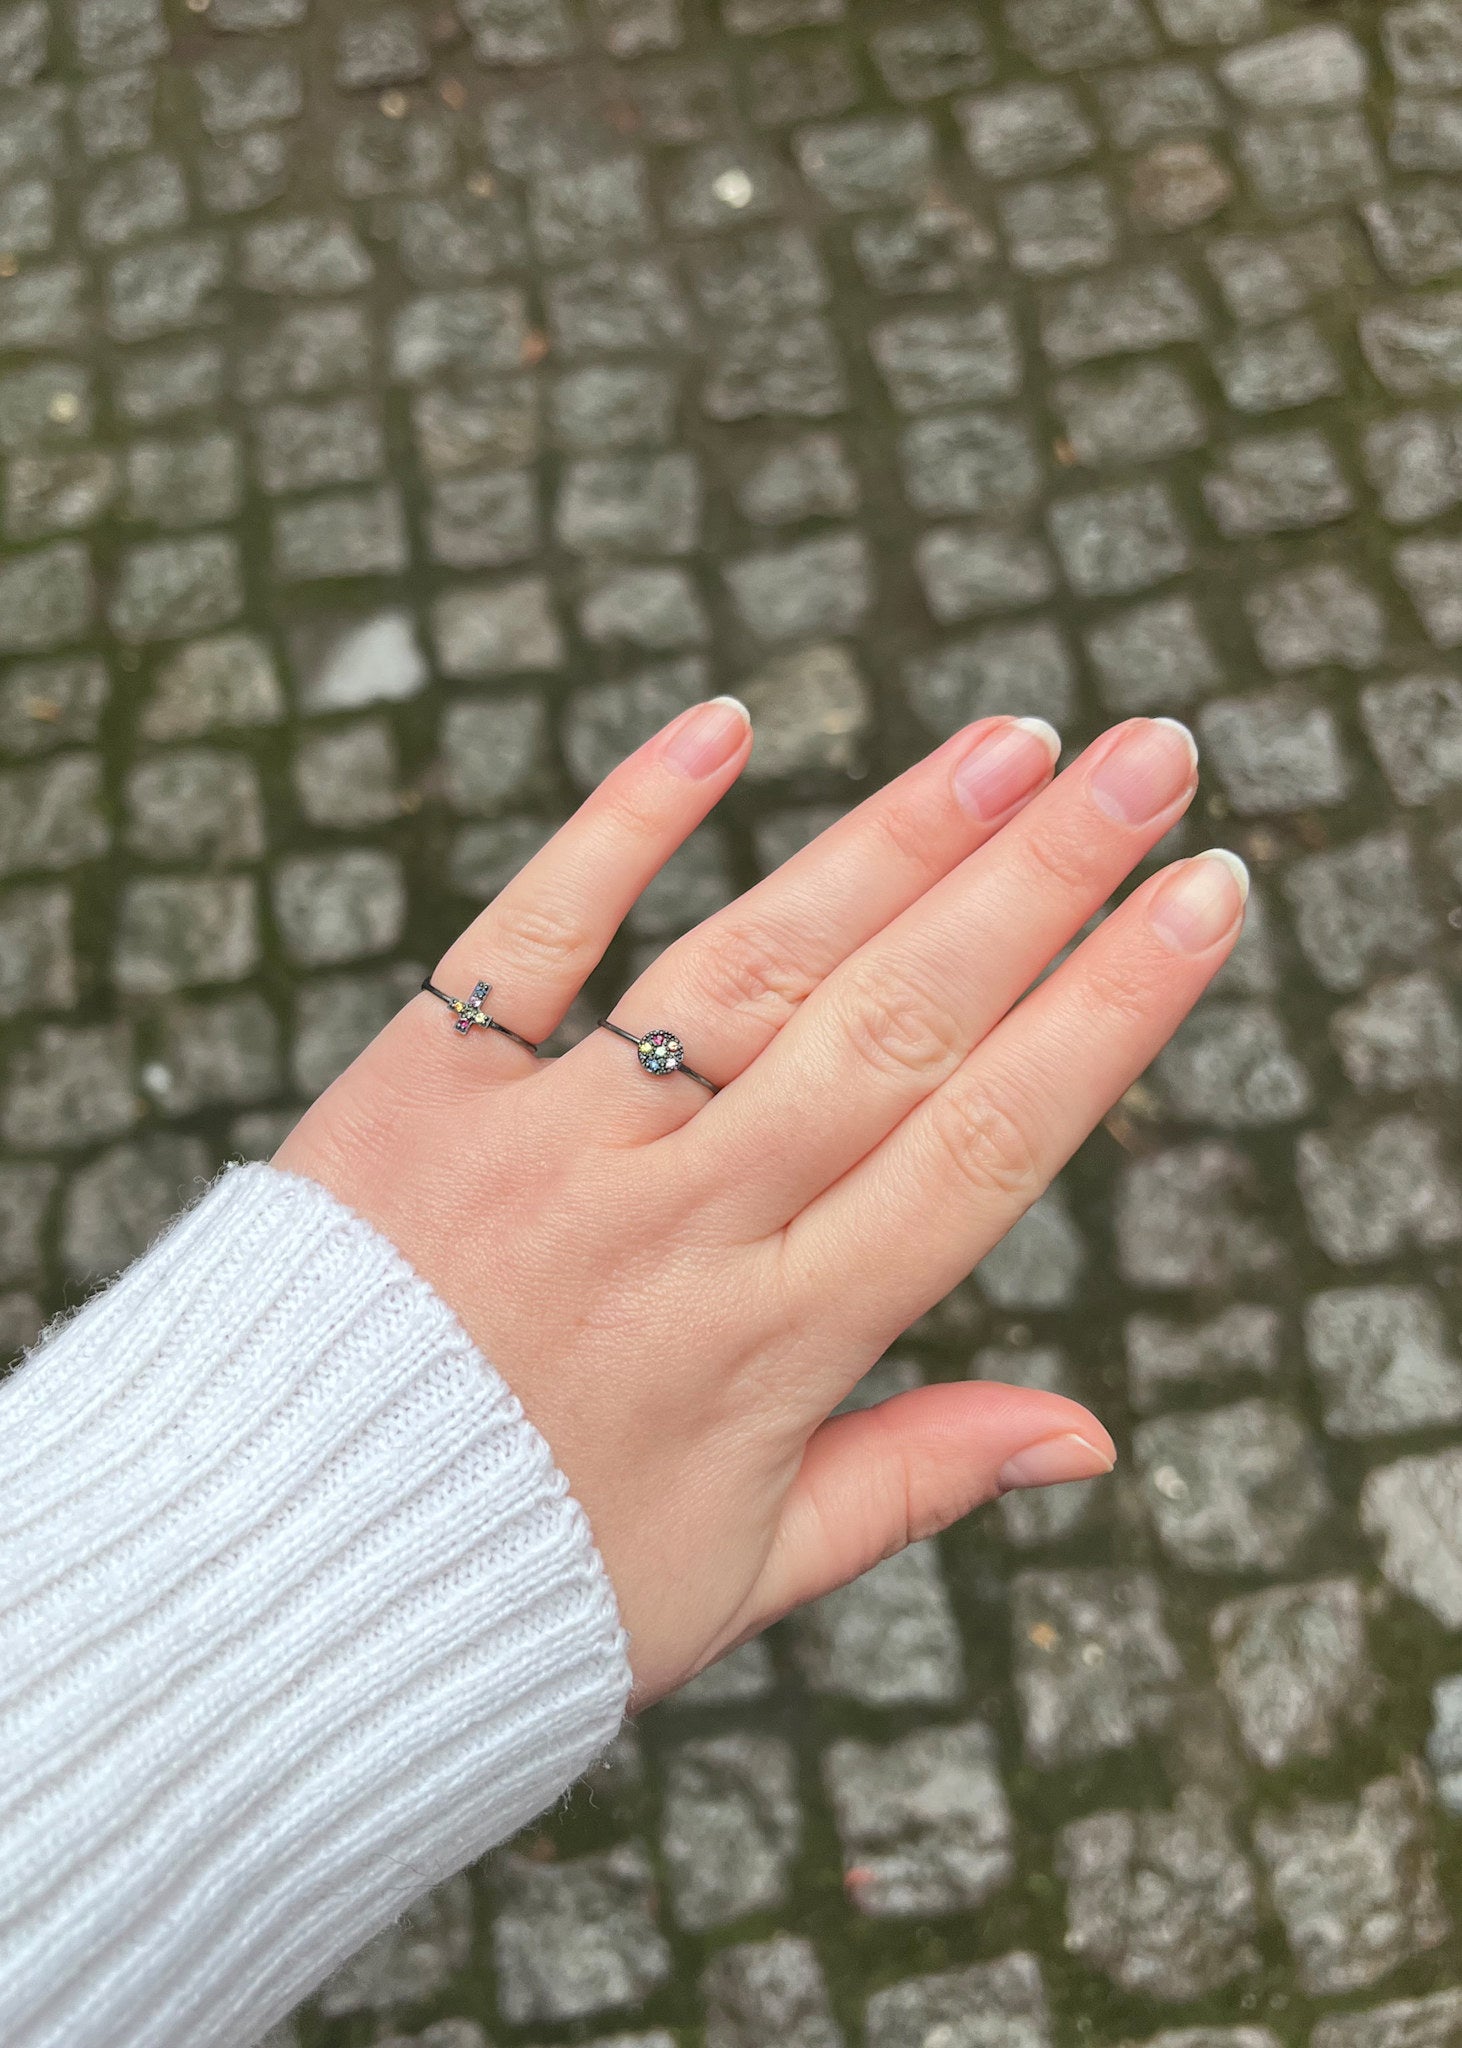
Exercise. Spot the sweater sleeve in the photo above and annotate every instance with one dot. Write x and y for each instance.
(296, 1618)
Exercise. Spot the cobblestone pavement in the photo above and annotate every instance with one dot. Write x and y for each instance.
(402, 412)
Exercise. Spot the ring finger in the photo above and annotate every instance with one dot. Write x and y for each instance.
(729, 986)
(900, 1016)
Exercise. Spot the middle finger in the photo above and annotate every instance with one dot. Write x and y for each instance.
(903, 1012)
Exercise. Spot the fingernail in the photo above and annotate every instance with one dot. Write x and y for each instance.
(1053, 1462)
(1199, 901)
(1152, 763)
(1004, 764)
(707, 736)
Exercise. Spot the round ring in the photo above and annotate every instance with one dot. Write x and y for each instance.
(469, 1011)
(659, 1052)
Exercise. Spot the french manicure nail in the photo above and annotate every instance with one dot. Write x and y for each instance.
(1053, 1462)
(1199, 901)
(706, 737)
(1004, 764)
(1152, 763)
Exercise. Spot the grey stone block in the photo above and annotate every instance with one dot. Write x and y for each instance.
(730, 1828)
(1230, 1064)
(1023, 670)
(25, 1200)
(1413, 1509)
(1117, 541)
(337, 1016)
(768, 1991)
(802, 590)
(1053, 225)
(1095, 1667)
(51, 816)
(968, 571)
(37, 960)
(1321, 65)
(576, 1938)
(226, 1051)
(933, 359)
(490, 750)
(494, 629)
(114, 1207)
(1378, 1190)
(1384, 1359)
(1025, 129)
(1121, 312)
(871, 161)
(1415, 462)
(1355, 1884)
(887, 1639)
(800, 476)
(1407, 2022)
(1316, 616)
(972, 461)
(985, 2005)
(1401, 1034)
(1164, 1904)
(333, 907)
(1164, 1357)
(1359, 908)
(1431, 571)
(46, 598)
(1189, 1217)
(1137, 413)
(70, 1086)
(180, 932)
(226, 680)
(349, 775)
(924, 1822)
(1153, 656)
(172, 589)
(196, 805)
(1295, 1668)
(811, 710)
(1232, 1489)
(1279, 752)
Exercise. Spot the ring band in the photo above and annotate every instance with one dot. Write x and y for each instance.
(659, 1052)
(471, 1012)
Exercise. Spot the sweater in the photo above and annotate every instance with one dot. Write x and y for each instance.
(297, 1617)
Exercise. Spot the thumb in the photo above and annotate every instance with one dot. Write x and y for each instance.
(872, 1482)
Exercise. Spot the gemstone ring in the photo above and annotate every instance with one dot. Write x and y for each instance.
(658, 1052)
(468, 1010)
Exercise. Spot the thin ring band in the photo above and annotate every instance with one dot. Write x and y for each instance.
(662, 1047)
(471, 1012)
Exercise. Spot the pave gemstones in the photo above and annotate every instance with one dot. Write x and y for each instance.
(660, 1052)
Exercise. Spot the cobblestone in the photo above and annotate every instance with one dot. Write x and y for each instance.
(1163, 1903)
(401, 417)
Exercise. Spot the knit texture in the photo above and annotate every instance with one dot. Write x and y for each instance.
(296, 1618)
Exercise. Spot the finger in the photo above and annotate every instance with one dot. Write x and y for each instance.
(538, 940)
(899, 1017)
(899, 1230)
(728, 987)
(873, 1482)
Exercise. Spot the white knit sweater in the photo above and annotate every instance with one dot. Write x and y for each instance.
(296, 1618)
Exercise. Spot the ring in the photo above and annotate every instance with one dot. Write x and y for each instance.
(659, 1052)
(471, 1012)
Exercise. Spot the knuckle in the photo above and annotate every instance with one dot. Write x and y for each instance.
(894, 1025)
(744, 971)
(1116, 997)
(989, 1145)
(543, 935)
(904, 829)
(1061, 858)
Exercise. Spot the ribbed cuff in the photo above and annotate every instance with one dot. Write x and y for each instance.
(296, 1617)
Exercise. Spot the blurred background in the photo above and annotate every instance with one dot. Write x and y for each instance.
(404, 410)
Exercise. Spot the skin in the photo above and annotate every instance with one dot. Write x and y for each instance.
(681, 1287)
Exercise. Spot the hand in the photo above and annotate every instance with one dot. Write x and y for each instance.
(680, 1287)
